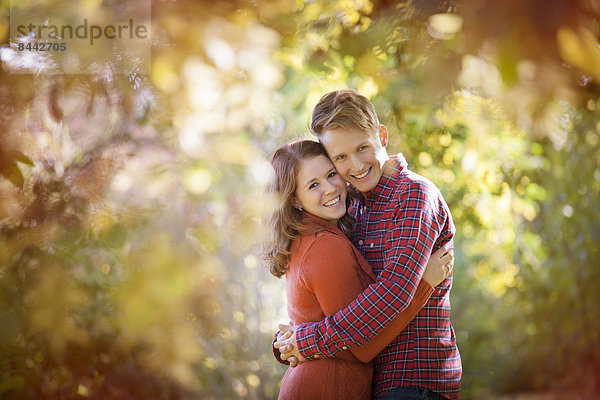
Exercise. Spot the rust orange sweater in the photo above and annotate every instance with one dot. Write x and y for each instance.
(326, 273)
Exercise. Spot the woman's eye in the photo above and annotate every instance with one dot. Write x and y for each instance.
(314, 185)
(332, 174)
(339, 158)
(361, 148)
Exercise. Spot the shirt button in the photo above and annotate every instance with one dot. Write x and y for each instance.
(360, 242)
(371, 245)
(344, 348)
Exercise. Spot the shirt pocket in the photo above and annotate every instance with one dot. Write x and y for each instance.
(374, 248)
(376, 242)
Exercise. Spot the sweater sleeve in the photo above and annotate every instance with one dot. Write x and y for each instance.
(331, 272)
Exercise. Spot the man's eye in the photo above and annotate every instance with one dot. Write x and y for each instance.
(361, 148)
(332, 174)
(314, 185)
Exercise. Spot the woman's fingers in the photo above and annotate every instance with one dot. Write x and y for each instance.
(448, 258)
(284, 335)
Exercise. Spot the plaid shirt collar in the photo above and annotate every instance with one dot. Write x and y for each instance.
(392, 169)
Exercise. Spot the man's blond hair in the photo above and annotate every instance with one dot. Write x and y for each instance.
(344, 108)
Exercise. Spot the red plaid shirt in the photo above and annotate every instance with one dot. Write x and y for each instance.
(403, 219)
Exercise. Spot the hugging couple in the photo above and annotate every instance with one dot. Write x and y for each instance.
(368, 265)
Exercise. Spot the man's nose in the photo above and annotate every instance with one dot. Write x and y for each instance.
(356, 163)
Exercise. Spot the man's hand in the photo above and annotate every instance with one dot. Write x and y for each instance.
(286, 343)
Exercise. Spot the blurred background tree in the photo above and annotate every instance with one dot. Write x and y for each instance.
(130, 205)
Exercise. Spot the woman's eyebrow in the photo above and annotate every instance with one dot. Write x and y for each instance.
(310, 181)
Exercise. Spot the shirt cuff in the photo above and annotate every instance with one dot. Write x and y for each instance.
(306, 341)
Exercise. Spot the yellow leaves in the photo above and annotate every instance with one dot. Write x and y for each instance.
(294, 59)
(252, 380)
(591, 105)
(498, 276)
(52, 301)
(164, 76)
(312, 11)
(469, 161)
(4, 31)
(368, 88)
(197, 181)
(154, 286)
(100, 221)
(161, 286)
(203, 84)
(105, 269)
(210, 363)
(83, 390)
(239, 317)
(477, 73)
(502, 280)
(444, 26)
(580, 49)
(235, 150)
(445, 139)
(425, 159)
(448, 176)
(250, 261)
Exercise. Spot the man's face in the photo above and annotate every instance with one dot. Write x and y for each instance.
(357, 156)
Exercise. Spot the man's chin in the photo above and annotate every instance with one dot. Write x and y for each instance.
(363, 186)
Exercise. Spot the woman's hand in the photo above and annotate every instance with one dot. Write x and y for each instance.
(286, 344)
(439, 266)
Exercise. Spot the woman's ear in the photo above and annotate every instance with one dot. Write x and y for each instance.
(296, 204)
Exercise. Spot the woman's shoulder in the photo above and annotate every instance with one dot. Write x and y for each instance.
(325, 249)
(326, 241)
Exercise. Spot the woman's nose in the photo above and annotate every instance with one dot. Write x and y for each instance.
(328, 187)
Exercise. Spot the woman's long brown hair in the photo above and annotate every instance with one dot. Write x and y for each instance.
(285, 222)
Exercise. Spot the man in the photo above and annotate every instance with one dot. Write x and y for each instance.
(401, 220)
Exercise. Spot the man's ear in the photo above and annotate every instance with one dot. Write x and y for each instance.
(383, 135)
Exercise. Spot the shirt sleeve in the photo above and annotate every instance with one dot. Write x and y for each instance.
(368, 351)
(411, 238)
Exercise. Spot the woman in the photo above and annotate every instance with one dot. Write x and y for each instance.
(324, 272)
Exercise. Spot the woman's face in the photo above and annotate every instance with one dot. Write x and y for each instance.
(320, 190)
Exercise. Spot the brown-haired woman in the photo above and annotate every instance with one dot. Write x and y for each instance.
(309, 244)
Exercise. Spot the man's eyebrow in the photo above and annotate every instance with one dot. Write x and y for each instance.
(336, 156)
(356, 147)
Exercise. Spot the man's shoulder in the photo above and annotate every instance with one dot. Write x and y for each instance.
(409, 184)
